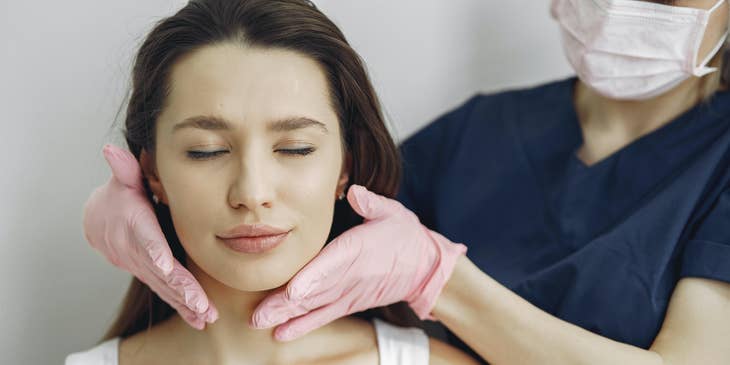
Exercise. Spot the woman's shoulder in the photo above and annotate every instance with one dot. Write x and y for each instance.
(350, 339)
(444, 354)
(126, 350)
(347, 340)
(150, 345)
(392, 345)
(102, 354)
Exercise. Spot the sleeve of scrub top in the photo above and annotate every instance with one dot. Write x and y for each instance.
(424, 155)
(707, 253)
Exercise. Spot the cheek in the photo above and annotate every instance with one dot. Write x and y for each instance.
(311, 193)
(304, 192)
(193, 199)
(309, 196)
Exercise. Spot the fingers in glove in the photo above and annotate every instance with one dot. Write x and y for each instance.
(273, 308)
(309, 322)
(124, 166)
(149, 236)
(157, 257)
(166, 293)
(182, 281)
(326, 269)
(181, 286)
(279, 308)
(191, 319)
(370, 205)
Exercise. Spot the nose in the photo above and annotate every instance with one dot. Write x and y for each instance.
(252, 188)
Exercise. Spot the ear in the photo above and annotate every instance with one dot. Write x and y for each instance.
(149, 171)
(344, 176)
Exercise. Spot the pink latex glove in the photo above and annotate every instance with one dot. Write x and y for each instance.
(389, 258)
(120, 223)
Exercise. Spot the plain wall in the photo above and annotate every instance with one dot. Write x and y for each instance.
(65, 70)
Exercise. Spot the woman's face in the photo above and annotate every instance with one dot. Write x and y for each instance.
(248, 136)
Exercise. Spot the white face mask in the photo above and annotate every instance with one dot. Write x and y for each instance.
(633, 50)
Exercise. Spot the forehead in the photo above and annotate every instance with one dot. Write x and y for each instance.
(247, 83)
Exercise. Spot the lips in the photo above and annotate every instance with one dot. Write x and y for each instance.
(254, 238)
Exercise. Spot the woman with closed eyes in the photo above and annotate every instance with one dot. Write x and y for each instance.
(248, 121)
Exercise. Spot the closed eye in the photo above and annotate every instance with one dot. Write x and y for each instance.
(297, 151)
(207, 155)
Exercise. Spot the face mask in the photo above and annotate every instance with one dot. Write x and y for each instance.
(633, 50)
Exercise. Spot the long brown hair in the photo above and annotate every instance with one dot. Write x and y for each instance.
(295, 25)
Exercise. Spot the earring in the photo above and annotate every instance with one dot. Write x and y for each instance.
(341, 196)
(155, 199)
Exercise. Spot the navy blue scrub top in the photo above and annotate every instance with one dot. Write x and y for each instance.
(600, 246)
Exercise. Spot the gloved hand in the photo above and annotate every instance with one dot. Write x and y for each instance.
(120, 223)
(389, 258)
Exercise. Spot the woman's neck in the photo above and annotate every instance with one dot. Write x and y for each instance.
(608, 125)
(229, 339)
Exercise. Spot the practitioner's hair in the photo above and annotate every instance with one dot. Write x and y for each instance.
(295, 25)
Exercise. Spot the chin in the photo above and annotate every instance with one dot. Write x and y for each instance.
(253, 273)
(262, 276)
(249, 284)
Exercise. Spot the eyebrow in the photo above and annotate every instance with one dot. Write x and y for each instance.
(215, 123)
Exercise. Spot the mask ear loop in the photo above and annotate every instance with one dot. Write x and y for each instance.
(716, 6)
(703, 70)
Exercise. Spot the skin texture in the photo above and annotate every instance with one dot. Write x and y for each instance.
(253, 178)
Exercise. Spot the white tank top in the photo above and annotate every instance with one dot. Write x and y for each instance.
(396, 346)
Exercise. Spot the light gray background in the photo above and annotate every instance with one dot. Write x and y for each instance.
(64, 71)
